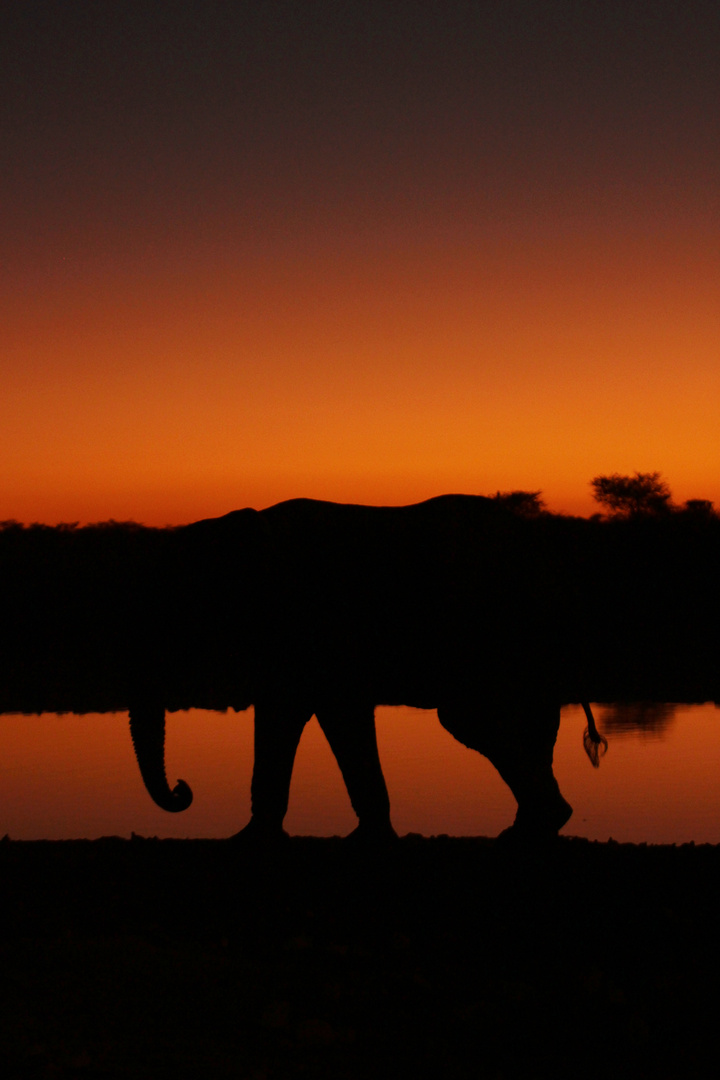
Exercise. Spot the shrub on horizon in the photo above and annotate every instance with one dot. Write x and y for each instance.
(644, 494)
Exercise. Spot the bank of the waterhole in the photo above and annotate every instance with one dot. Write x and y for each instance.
(439, 956)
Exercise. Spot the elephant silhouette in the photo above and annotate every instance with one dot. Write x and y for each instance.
(464, 604)
(315, 608)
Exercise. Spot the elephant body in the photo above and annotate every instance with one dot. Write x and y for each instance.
(312, 608)
(365, 606)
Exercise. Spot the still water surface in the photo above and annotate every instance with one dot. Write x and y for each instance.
(65, 777)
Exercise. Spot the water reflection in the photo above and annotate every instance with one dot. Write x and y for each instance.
(75, 776)
(637, 718)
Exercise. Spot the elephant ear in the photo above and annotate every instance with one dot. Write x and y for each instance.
(147, 729)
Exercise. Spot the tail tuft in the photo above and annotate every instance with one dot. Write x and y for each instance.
(595, 744)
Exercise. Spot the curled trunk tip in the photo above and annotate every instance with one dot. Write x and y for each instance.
(147, 729)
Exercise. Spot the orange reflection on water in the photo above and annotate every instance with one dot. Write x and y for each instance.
(75, 776)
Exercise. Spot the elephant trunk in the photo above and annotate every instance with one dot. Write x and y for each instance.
(147, 729)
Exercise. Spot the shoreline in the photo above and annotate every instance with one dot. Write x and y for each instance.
(148, 957)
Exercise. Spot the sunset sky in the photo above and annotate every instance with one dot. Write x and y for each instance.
(369, 252)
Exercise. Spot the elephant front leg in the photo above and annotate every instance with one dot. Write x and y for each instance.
(277, 734)
(350, 731)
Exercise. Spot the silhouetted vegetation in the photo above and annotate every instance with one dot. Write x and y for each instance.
(699, 508)
(524, 503)
(93, 614)
(642, 493)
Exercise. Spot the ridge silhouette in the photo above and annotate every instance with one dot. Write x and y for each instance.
(494, 616)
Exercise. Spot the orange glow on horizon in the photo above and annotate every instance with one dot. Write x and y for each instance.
(379, 378)
(355, 255)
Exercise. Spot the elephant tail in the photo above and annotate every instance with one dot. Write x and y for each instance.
(147, 729)
(595, 744)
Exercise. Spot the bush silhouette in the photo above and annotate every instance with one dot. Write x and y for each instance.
(632, 496)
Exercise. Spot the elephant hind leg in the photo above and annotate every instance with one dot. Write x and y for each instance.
(350, 731)
(519, 739)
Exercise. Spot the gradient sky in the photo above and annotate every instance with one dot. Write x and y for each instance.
(362, 251)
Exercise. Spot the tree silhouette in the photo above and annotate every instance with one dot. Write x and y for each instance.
(699, 508)
(632, 496)
(523, 503)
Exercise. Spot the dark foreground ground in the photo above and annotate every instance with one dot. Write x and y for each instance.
(443, 958)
